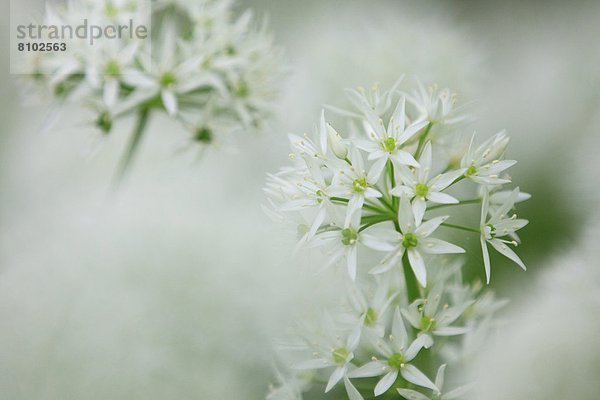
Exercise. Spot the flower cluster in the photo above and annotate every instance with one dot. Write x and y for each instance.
(213, 73)
(374, 200)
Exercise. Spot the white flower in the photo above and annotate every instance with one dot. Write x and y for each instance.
(457, 393)
(414, 240)
(416, 184)
(498, 225)
(369, 311)
(331, 349)
(427, 316)
(387, 144)
(483, 164)
(343, 243)
(434, 105)
(398, 352)
(353, 182)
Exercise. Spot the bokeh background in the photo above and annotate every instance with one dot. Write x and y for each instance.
(174, 285)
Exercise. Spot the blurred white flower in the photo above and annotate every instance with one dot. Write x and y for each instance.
(213, 73)
(496, 224)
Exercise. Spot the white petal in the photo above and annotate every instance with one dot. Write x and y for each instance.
(441, 198)
(437, 246)
(406, 218)
(335, 377)
(439, 378)
(486, 259)
(111, 92)
(425, 162)
(385, 383)
(376, 170)
(412, 374)
(507, 252)
(398, 329)
(317, 363)
(369, 370)
(451, 331)
(412, 395)
(428, 227)
(353, 394)
(375, 243)
(352, 263)
(402, 157)
(169, 101)
(419, 206)
(418, 266)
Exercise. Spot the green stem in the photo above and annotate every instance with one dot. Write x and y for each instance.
(460, 203)
(462, 228)
(412, 286)
(422, 141)
(134, 142)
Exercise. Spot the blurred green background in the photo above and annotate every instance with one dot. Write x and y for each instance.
(174, 286)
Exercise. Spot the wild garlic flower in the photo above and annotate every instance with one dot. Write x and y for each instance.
(213, 73)
(383, 189)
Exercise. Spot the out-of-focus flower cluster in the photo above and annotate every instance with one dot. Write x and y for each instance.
(384, 189)
(214, 73)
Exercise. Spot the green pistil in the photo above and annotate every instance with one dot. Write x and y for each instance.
(427, 323)
(421, 190)
(349, 236)
(104, 122)
(112, 68)
(167, 79)
(492, 230)
(472, 170)
(410, 240)
(204, 135)
(389, 144)
(370, 317)
(396, 361)
(360, 185)
(340, 355)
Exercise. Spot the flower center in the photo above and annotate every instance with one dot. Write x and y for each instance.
(472, 170)
(349, 236)
(389, 144)
(204, 135)
(427, 323)
(167, 79)
(410, 240)
(396, 361)
(340, 355)
(490, 231)
(112, 68)
(370, 317)
(360, 185)
(104, 122)
(421, 190)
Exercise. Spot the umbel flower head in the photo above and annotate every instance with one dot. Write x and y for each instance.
(378, 201)
(212, 73)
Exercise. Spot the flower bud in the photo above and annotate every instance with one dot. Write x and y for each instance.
(335, 141)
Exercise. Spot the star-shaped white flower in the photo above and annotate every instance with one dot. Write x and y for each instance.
(414, 239)
(496, 224)
(483, 164)
(416, 184)
(398, 352)
(427, 316)
(354, 183)
(331, 349)
(387, 144)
